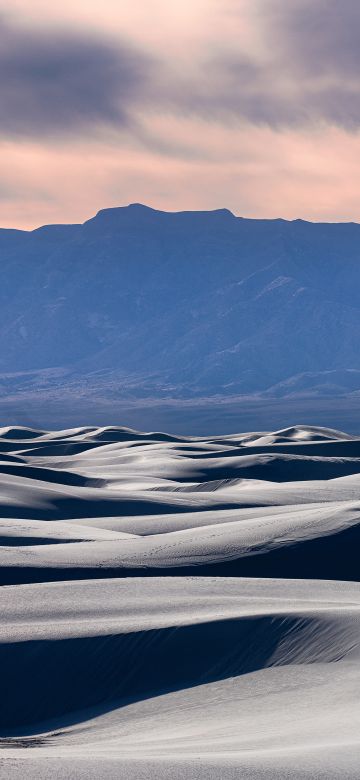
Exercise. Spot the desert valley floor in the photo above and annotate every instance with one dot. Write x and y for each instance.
(182, 608)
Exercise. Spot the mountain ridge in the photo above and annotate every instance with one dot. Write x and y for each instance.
(189, 303)
(146, 209)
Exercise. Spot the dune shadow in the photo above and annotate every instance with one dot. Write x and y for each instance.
(33, 541)
(56, 680)
(77, 507)
(333, 557)
(276, 469)
(52, 476)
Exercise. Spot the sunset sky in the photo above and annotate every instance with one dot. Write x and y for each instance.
(252, 105)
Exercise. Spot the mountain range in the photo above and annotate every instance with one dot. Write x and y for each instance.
(140, 303)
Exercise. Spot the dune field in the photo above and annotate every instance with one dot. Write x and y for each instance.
(176, 607)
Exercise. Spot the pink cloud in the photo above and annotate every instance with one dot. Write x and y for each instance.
(255, 172)
(185, 155)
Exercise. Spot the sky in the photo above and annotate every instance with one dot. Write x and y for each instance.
(251, 105)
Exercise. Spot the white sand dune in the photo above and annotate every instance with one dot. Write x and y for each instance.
(240, 660)
(84, 502)
(234, 674)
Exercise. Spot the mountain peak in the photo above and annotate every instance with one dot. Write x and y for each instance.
(142, 211)
(196, 302)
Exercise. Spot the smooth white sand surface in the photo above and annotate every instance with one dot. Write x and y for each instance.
(193, 673)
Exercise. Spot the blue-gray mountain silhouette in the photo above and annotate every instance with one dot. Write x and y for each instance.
(189, 303)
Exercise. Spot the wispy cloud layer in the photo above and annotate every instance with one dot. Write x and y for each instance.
(173, 103)
(320, 38)
(305, 70)
(55, 83)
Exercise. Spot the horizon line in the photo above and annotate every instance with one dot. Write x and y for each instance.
(177, 212)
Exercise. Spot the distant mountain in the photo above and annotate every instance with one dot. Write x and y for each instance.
(138, 302)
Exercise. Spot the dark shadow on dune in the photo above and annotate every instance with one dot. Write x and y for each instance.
(107, 506)
(47, 448)
(308, 449)
(334, 557)
(54, 476)
(17, 434)
(9, 459)
(33, 541)
(53, 680)
(121, 435)
(68, 448)
(55, 447)
(314, 449)
(277, 468)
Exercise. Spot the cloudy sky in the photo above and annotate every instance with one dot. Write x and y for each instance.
(253, 105)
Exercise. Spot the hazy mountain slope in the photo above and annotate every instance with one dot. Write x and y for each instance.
(196, 302)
